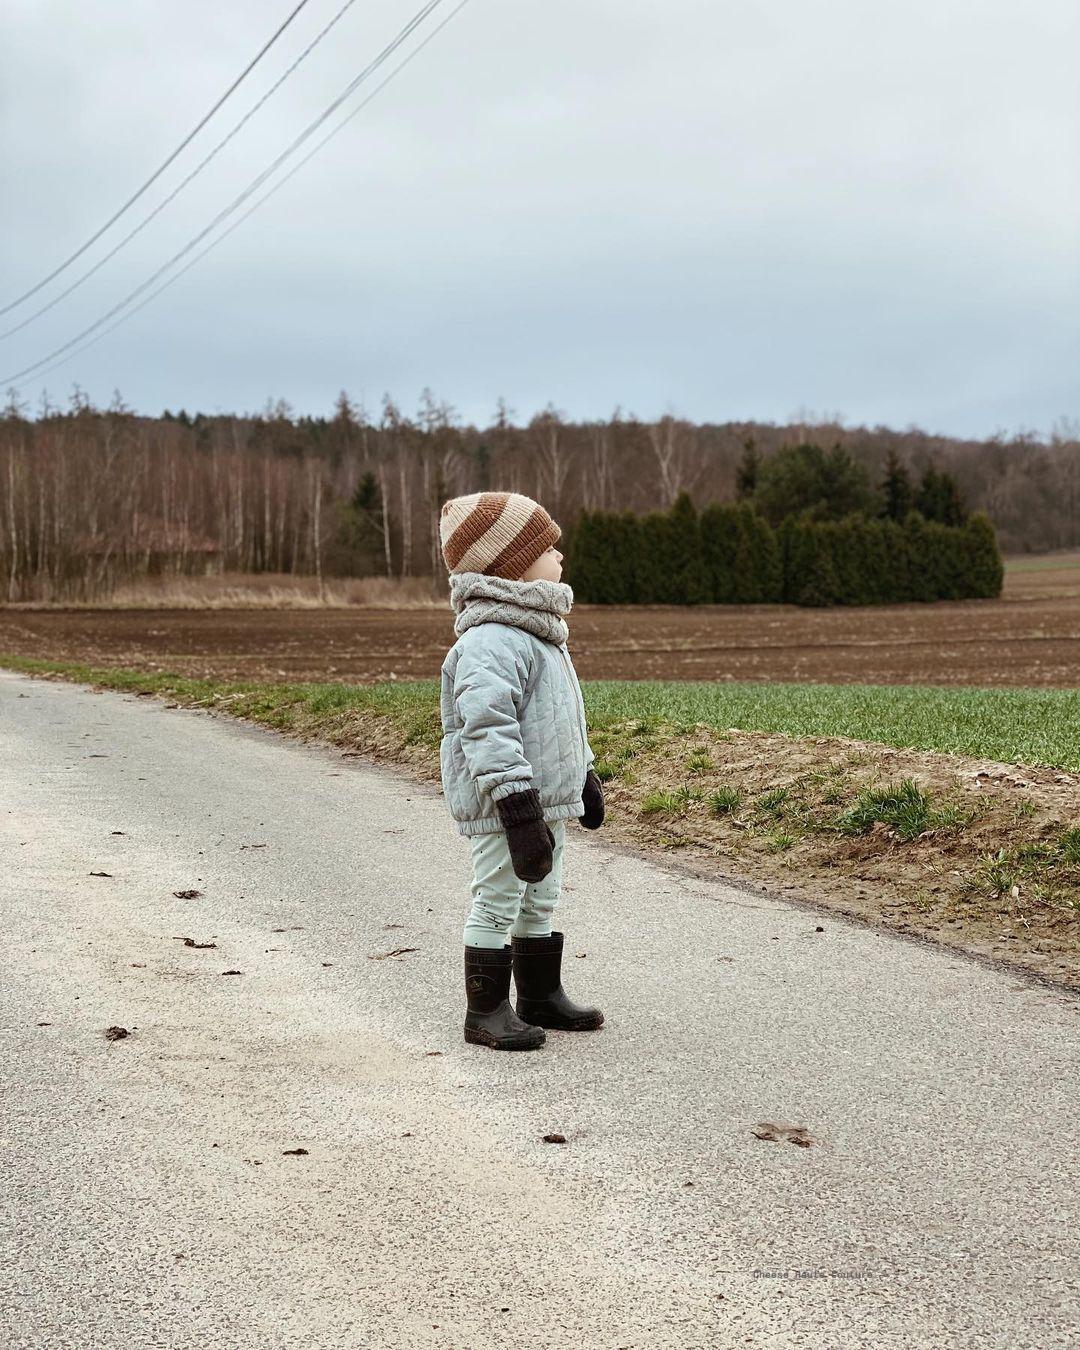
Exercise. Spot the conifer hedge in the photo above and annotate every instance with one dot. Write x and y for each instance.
(730, 555)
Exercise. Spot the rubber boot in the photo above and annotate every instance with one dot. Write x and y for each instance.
(541, 997)
(490, 1020)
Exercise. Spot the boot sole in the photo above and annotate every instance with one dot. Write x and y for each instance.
(475, 1036)
(556, 1024)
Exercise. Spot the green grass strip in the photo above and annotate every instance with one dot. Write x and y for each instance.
(1032, 726)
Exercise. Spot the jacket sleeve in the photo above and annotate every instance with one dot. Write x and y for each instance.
(590, 757)
(489, 685)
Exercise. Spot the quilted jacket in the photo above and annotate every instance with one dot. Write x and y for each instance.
(513, 718)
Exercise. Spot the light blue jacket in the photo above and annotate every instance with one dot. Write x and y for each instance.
(513, 718)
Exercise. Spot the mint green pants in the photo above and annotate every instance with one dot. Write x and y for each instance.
(502, 904)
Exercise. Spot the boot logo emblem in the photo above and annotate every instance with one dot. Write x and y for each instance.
(476, 983)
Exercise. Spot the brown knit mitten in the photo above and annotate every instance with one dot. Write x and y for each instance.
(531, 841)
(592, 795)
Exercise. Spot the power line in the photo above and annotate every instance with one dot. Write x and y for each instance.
(253, 186)
(262, 200)
(184, 182)
(158, 172)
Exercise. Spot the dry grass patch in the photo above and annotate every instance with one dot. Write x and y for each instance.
(259, 590)
(978, 855)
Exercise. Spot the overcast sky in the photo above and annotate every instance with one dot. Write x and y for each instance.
(725, 210)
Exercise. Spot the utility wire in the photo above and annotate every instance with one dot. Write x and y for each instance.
(265, 198)
(184, 182)
(237, 202)
(158, 172)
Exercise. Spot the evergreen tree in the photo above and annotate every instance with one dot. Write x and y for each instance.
(939, 498)
(602, 558)
(357, 546)
(720, 540)
(765, 558)
(785, 537)
(756, 573)
(897, 585)
(880, 582)
(928, 498)
(746, 475)
(809, 573)
(590, 568)
(745, 582)
(652, 562)
(805, 479)
(985, 572)
(923, 557)
(365, 500)
(579, 570)
(847, 551)
(818, 582)
(626, 544)
(953, 509)
(689, 575)
(898, 496)
(669, 567)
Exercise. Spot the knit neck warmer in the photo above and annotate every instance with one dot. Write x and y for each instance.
(536, 606)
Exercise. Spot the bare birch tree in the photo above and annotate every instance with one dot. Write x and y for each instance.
(679, 466)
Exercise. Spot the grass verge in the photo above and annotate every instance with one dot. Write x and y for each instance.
(976, 855)
(1010, 726)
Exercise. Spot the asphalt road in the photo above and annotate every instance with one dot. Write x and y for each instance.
(148, 1197)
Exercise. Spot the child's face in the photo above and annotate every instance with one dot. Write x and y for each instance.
(548, 567)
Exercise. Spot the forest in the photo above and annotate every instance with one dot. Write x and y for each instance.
(91, 496)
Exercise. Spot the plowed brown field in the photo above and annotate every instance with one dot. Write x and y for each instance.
(1031, 636)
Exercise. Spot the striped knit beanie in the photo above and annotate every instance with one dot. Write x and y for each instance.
(498, 533)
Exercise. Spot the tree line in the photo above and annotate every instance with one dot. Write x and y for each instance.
(93, 496)
(731, 554)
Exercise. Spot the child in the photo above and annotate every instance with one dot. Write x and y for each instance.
(516, 761)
